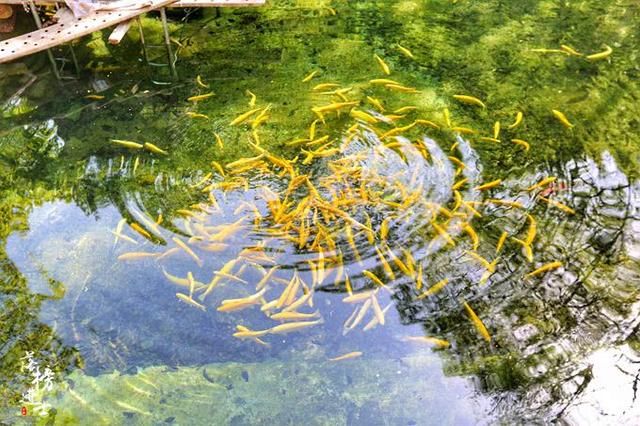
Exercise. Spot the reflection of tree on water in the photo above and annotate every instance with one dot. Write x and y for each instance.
(542, 328)
(545, 330)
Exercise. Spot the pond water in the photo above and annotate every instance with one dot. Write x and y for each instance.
(352, 212)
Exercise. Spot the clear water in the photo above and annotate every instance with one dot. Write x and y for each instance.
(124, 348)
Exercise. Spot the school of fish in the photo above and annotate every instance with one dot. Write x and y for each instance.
(359, 209)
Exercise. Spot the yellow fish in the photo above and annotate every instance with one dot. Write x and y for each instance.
(137, 255)
(501, 240)
(439, 343)
(219, 141)
(127, 144)
(601, 55)
(544, 268)
(243, 117)
(186, 248)
(489, 185)
(406, 52)
(558, 205)
(522, 143)
(517, 122)
(252, 101)
(469, 100)
(350, 355)
(324, 86)
(562, 118)
(151, 147)
(542, 183)
(570, 50)
(376, 103)
(401, 88)
(196, 115)
(309, 76)
(434, 289)
(477, 322)
(200, 97)
(190, 301)
(293, 326)
(201, 83)
(383, 65)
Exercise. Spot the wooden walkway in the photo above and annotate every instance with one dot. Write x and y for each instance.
(73, 28)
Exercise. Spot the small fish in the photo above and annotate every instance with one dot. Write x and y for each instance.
(127, 144)
(350, 355)
(549, 51)
(151, 147)
(383, 65)
(434, 289)
(542, 183)
(252, 101)
(496, 129)
(459, 184)
(522, 143)
(373, 277)
(463, 130)
(447, 117)
(376, 102)
(601, 55)
(544, 268)
(324, 86)
(427, 123)
(406, 52)
(293, 326)
(488, 139)
(310, 76)
(401, 88)
(243, 117)
(219, 141)
(137, 255)
(472, 234)
(377, 310)
(558, 205)
(433, 341)
(124, 237)
(198, 98)
(140, 230)
(94, 97)
(501, 240)
(526, 249)
(196, 115)
(294, 316)
(562, 118)
(516, 123)
(570, 50)
(477, 322)
(405, 109)
(469, 100)
(187, 250)
(361, 115)
(489, 185)
(201, 83)
(531, 232)
(190, 301)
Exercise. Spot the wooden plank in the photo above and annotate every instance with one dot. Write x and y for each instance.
(218, 3)
(119, 32)
(60, 33)
(182, 3)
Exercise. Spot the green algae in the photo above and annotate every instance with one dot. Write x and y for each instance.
(305, 390)
(480, 49)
